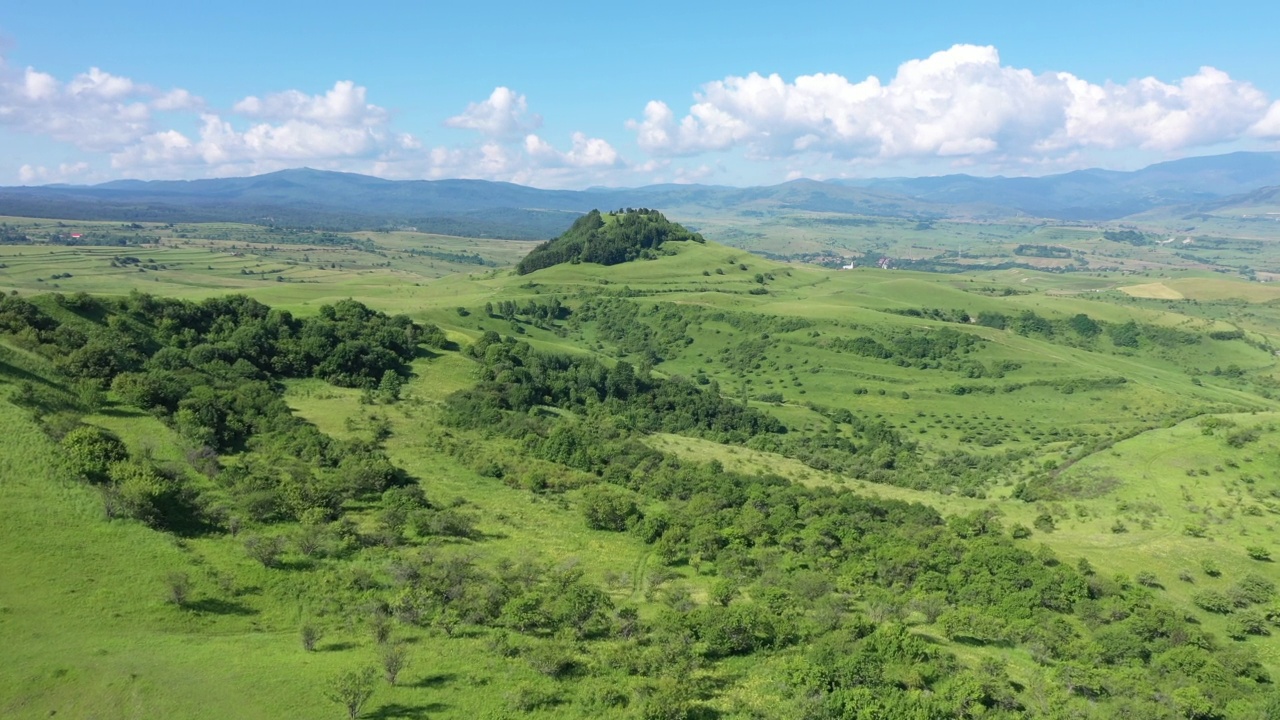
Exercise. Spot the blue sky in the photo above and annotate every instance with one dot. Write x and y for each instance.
(570, 94)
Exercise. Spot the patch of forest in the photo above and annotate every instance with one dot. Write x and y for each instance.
(1131, 237)
(211, 370)
(516, 378)
(620, 237)
(1044, 251)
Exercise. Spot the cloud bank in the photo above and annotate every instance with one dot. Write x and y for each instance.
(130, 129)
(94, 111)
(285, 129)
(960, 107)
(957, 103)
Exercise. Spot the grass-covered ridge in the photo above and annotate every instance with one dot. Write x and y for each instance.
(608, 239)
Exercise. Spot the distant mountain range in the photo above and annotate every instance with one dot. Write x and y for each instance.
(346, 201)
(1097, 194)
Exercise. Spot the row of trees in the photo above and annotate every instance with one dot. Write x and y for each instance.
(1080, 329)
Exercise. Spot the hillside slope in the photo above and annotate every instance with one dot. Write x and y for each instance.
(607, 239)
(695, 483)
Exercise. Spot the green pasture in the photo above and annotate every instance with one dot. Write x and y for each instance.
(803, 367)
(90, 634)
(1134, 481)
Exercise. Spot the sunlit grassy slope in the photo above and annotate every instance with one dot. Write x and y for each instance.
(88, 631)
(1140, 487)
(1024, 407)
(1164, 502)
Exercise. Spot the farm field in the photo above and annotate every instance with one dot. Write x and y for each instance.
(1172, 246)
(204, 259)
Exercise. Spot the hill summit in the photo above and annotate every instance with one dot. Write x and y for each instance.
(608, 239)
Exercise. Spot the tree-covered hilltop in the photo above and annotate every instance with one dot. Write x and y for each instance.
(607, 239)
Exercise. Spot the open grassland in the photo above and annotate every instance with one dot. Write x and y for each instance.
(1237, 246)
(1116, 390)
(289, 268)
(712, 287)
(1148, 447)
(1157, 291)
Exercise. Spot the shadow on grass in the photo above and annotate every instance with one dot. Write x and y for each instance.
(431, 681)
(422, 352)
(218, 606)
(460, 631)
(410, 712)
(338, 646)
(241, 591)
(120, 411)
(16, 373)
(981, 642)
(183, 518)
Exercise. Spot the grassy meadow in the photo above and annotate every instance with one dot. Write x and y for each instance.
(1149, 448)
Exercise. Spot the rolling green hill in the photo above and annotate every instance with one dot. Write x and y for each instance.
(696, 483)
(607, 240)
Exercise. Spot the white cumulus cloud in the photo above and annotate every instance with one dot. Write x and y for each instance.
(1206, 108)
(101, 84)
(585, 152)
(118, 119)
(342, 130)
(176, 100)
(1269, 125)
(261, 147)
(39, 174)
(504, 114)
(344, 105)
(94, 111)
(962, 107)
(531, 161)
(287, 129)
(957, 103)
(506, 149)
